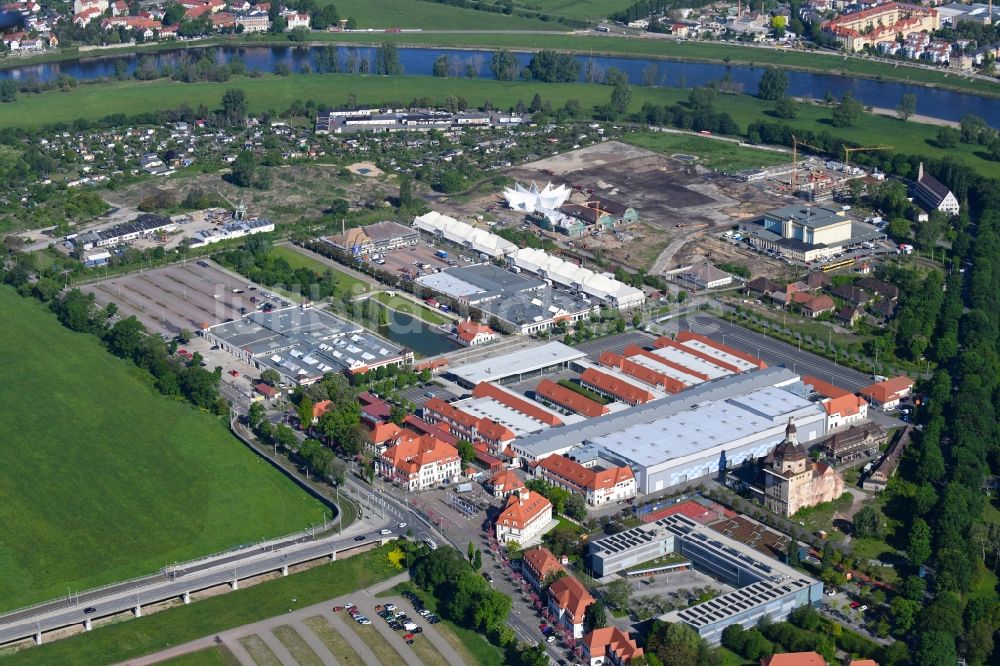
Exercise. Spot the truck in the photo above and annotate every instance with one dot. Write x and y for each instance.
(463, 488)
(442, 254)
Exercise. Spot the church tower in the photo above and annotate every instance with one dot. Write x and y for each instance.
(789, 456)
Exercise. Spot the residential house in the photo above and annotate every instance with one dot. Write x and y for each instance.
(504, 483)
(568, 602)
(598, 485)
(609, 646)
(473, 334)
(524, 518)
(851, 294)
(763, 286)
(794, 659)
(297, 20)
(847, 315)
(879, 288)
(813, 306)
(266, 390)
(879, 478)
(539, 564)
(887, 394)
(420, 463)
(254, 21)
(707, 276)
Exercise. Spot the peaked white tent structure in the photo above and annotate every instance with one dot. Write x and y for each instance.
(533, 200)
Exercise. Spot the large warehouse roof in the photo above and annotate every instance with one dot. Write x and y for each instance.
(573, 276)
(560, 439)
(464, 234)
(521, 362)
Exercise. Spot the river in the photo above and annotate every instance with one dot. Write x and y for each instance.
(933, 102)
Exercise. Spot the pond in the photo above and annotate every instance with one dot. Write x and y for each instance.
(424, 339)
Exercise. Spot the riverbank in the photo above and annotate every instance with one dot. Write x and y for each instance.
(277, 92)
(658, 48)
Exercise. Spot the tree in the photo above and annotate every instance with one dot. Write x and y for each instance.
(621, 97)
(505, 66)
(244, 169)
(618, 594)
(595, 616)
(787, 108)
(471, 550)
(466, 451)
(773, 84)
(234, 106)
(935, 648)
(907, 106)
(576, 506)
(442, 66)
(256, 415)
(847, 112)
(270, 377)
(553, 67)
(405, 191)
(676, 644)
(477, 560)
(918, 549)
(8, 91)
(947, 137)
(387, 60)
(868, 522)
(304, 411)
(904, 614)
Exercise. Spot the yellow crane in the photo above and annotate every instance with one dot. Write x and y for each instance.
(848, 151)
(795, 160)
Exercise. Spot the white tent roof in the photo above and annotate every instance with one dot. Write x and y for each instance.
(571, 275)
(531, 199)
(461, 233)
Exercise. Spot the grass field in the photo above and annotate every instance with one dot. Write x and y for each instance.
(349, 284)
(584, 10)
(346, 655)
(385, 653)
(127, 640)
(401, 304)
(214, 656)
(259, 651)
(297, 646)
(103, 480)
(423, 14)
(713, 154)
(275, 92)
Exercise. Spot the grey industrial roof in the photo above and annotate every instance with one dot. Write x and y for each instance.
(556, 439)
(519, 362)
(810, 216)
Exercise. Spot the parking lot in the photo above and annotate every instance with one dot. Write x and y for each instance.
(189, 295)
(615, 343)
(410, 260)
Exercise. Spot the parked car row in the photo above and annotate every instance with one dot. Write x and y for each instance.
(422, 610)
(356, 615)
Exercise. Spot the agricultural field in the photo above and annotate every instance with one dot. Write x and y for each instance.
(583, 10)
(422, 14)
(104, 479)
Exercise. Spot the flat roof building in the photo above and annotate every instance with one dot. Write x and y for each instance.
(765, 585)
(527, 305)
(700, 431)
(304, 343)
(807, 233)
(517, 366)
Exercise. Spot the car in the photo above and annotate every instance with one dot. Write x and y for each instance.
(831, 592)
(418, 630)
(423, 612)
(390, 607)
(408, 636)
(550, 639)
(433, 619)
(385, 532)
(395, 626)
(401, 525)
(409, 642)
(862, 608)
(855, 604)
(337, 609)
(364, 621)
(488, 576)
(360, 537)
(89, 609)
(349, 606)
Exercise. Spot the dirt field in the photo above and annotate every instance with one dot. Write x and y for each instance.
(181, 296)
(665, 191)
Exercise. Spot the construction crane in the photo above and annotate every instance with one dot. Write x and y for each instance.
(848, 151)
(239, 210)
(795, 160)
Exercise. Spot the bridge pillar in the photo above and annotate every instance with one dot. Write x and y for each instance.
(186, 598)
(137, 610)
(284, 570)
(333, 556)
(235, 584)
(86, 625)
(38, 638)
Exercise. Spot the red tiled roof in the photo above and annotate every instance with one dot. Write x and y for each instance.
(385, 432)
(541, 562)
(571, 400)
(266, 390)
(888, 389)
(452, 413)
(321, 408)
(635, 350)
(494, 431)
(506, 481)
(584, 477)
(571, 596)
(794, 659)
(664, 342)
(615, 386)
(825, 389)
(468, 330)
(425, 428)
(600, 641)
(519, 511)
(642, 373)
(515, 402)
(411, 455)
(845, 405)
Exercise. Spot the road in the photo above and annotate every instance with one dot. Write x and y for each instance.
(773, 352)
